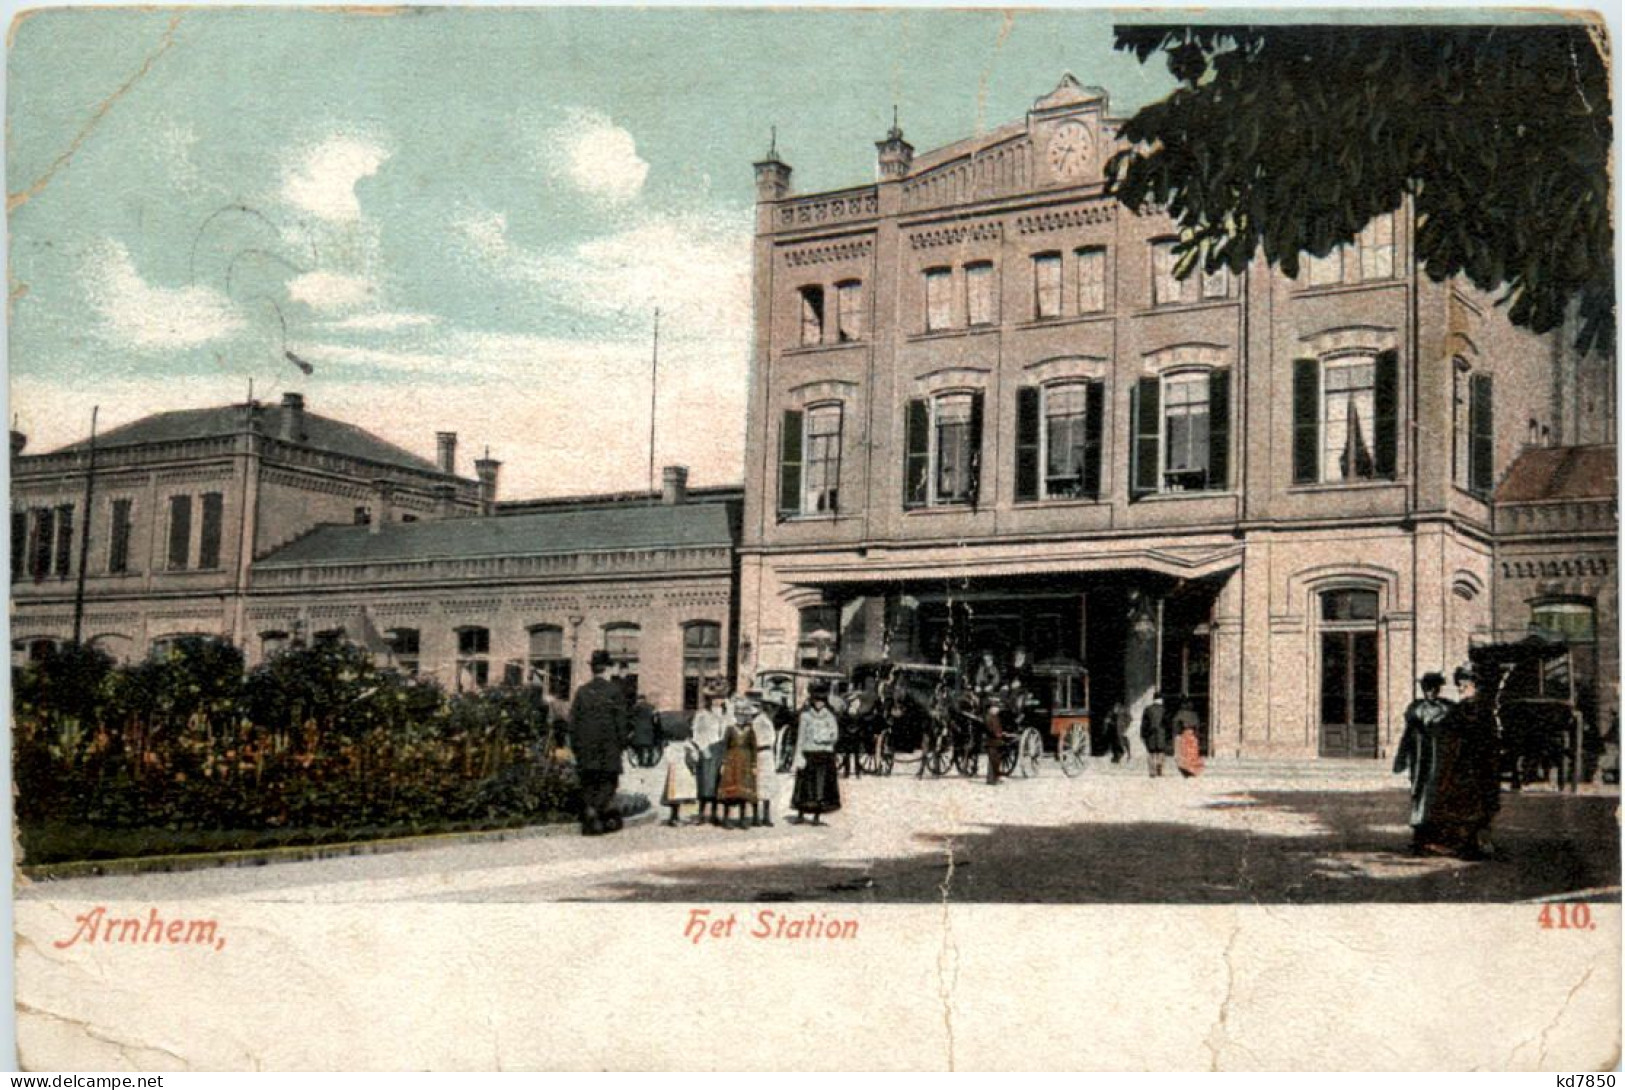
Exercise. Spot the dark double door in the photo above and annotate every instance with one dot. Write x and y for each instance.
(1350, 677)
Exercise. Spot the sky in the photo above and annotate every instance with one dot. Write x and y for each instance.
(463, 219)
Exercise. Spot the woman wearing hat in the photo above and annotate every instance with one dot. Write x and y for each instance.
(737, 783)
(817, 789)
(708, 733)
(1469, 777)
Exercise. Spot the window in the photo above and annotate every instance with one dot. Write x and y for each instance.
(943, 444)
(1326, 270)
(1181, 432)
(1345, 418)
(812, 315)
(848, 311)
(19, 544)
(405, 649)
(820, 637)
(1376, 248)
(549, 662)
(272, 643)
(1461, 425)
(810, 461)
(180, 531)
(1166, 288)
(209, 544)
(1058, 430)
(1569, 621)
(64, 541)
(39, 559)
(1092, 280)
(980, 305)
(363, 516)
(1350, 674)
(1047, 285)
(822, 484)
(939, 303)
(1185, 431)
(621, 641)
(1216, 284)
(1481, 427)
(473, 658)
(702, 659)
(118, 549)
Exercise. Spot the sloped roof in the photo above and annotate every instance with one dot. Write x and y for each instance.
(686, 525)
(1561, 473)
(321, 433)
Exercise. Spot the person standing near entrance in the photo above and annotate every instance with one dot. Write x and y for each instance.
(817, 790)
(1418, 754)
(1154, 734)
(1118, 723)
(707, 733)
(1187, 731)
(600, 724)
(1468, 792)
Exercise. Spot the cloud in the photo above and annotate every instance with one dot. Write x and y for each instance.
(323, 180)
(381, 322)
(694, 266)
(329, 291)
(136, 314)
(600, 158)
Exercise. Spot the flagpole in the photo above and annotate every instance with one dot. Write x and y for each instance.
(654, 387)
(84, 535)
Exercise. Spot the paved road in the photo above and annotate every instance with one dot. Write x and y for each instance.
(1259, 833)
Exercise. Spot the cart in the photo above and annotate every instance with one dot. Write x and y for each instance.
(1054, 718)
(1536, 713)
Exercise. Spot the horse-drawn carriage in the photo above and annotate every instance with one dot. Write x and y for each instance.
(1531, 685)
(783, 693)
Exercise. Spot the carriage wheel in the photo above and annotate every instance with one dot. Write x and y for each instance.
(784, 750)
(1074, 744)
(968, 759)
(1029, 751)
(1009, 756)
(938, 754)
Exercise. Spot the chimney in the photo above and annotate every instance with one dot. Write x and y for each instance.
(445, 443)
(18, 442)
(383, 492)
(445, 501)
(674, 485)
(293, 417)
(486, 469)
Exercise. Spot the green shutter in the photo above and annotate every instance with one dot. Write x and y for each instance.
(975, 448)
(917, 453)
(1305, 421)
(1481, 425)
(790, 463)
(1027, 452)
(1093, 425)
(1218, 429)
(1147, 435)
(1386, 426)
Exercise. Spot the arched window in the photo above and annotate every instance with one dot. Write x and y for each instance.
(621, 640)
(702, 659)
(405, 649)
(473, 657)
(549, 661)
(1350, 673)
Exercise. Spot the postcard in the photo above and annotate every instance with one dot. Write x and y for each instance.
(923, 539)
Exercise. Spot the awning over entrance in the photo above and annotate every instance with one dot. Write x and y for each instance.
(981, 561)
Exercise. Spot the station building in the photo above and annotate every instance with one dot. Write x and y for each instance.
(985, 412)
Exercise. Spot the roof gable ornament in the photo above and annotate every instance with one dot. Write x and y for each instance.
(1070, 94)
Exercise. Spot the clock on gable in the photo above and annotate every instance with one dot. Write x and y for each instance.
(1071, 151)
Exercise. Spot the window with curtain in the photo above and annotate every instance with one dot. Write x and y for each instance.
(942, 450)
(821, 472)
(702, 659)
(1185, 431)
(1349, 407)
(939, 300)
(1065, 438)
(849, 311)
(1091, 264)
(979, 294)
(549, 660)
(952, 432)
(812, 315)
(1046, 285)
(473, 658)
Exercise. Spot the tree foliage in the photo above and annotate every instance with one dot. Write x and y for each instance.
(1291, 138)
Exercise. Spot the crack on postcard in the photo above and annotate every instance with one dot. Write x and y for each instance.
(948, 955)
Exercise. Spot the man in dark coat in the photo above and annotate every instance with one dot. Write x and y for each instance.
(600, 724)
(1469, 777)
(1154, 734)
(1418, 754)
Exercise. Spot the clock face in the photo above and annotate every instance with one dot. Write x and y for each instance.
(1071, 150)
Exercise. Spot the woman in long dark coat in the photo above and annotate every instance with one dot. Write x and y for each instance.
(1467, 794)
(817, 790)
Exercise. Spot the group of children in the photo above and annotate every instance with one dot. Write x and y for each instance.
(727, 767)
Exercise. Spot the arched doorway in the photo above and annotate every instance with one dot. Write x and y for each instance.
(1350, 673)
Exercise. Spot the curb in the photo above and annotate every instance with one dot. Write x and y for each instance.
(306, 853)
